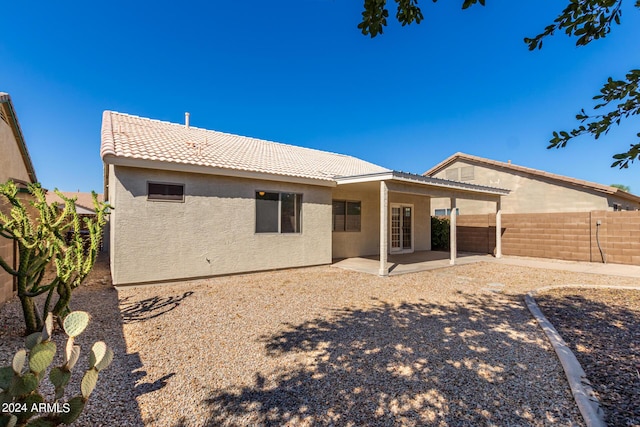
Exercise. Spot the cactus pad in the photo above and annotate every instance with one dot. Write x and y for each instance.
(6, 375)
(88, 382)
(68, 349)
(76, 406)
(75, 354)
(106, 360)
(75, 323)
(98, 351)
(59, 377)
(41, 356)
(33, 398)
(21, 386)
(33, 340)
(18, 361)
(48, 327)
(13, 420)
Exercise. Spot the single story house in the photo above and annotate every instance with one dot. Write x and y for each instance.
(15, 164)
(190, 202)
(532, 190)
(84, 201)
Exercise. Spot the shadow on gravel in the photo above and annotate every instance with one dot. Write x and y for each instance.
(409, 364)
(138, 311)
(602, 328)
(113, 401)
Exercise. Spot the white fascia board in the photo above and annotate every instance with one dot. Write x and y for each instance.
(382, 176)
(211, 170)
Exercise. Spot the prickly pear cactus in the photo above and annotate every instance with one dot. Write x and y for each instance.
(22, 403)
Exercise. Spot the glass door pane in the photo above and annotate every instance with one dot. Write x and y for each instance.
(406, 228)
(395, 228)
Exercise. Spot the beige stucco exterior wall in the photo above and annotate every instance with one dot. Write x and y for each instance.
(11, 166)
(212, 232)
(529, 194)
(367, 241)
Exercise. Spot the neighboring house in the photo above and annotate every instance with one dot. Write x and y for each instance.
(84, 208)
(84, 201)
(15, 164)
(532, 190)
(190, 202)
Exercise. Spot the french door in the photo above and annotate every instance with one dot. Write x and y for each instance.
(401, 229)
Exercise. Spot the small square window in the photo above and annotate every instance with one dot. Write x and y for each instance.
(452, 174)
(162, 191)
(467, 173)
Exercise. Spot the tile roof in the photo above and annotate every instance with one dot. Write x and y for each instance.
(536, 172)
(137, 138)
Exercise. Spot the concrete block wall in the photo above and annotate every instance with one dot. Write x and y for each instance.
(619, 235)
(565, 236)
(476, 233)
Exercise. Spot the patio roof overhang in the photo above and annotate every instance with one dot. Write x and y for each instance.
(402, 182)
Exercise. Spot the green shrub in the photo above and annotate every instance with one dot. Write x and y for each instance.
(439, 233)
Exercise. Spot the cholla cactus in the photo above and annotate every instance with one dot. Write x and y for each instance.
(40, 230)
(22, 403)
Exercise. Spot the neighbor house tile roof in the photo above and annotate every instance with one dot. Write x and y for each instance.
(535, 172)
(84, 201)
(132, 137)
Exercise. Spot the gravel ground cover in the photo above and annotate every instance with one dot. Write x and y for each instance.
(323, 346)
(113, 401)
(602, 328)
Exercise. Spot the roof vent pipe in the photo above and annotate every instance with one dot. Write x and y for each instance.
(186, 120)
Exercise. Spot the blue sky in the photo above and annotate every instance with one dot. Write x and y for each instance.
(300, 72)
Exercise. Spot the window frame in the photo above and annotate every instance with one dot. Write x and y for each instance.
(298, 202)
(447, 212)
(346, 216)
(167, 199)
(467, 173)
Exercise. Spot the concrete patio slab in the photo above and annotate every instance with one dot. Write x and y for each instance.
(430, 260)
(409, 263)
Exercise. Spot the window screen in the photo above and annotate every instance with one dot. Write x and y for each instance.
(346, 215)
(290, 204)
(267, 205)
(278, 212)
(158, 191)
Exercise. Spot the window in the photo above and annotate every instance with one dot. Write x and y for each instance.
(160, 191)
(445, 212)
(467, 173)
(452, 174)
(278, 212)
(346, 215)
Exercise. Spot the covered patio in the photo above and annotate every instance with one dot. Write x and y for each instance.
(398, 264)
(404, 243)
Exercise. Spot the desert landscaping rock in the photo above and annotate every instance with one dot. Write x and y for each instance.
(601, 327)
(323, 346)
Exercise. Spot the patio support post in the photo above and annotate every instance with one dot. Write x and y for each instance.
(384, 228)
(499, 228)
(453, 245)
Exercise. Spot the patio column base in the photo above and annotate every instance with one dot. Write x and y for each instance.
(383, 272)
